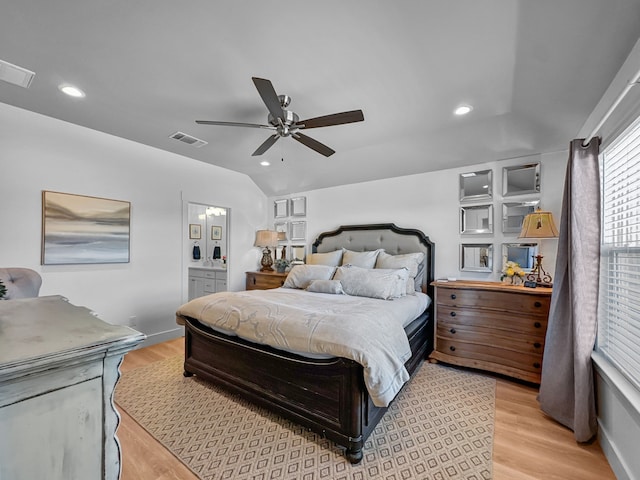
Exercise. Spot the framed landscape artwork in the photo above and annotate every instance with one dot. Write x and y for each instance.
(79, 229)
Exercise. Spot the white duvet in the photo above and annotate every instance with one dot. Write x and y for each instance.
(366, 330)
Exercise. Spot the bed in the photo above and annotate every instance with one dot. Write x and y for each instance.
(327, 394)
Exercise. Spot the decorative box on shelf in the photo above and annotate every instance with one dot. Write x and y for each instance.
(492, 326)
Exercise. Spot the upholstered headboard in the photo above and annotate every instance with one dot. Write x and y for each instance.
(393, 239)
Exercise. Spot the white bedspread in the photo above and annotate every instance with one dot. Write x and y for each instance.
(366, 330)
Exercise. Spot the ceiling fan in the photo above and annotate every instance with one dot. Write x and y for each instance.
(286, 123)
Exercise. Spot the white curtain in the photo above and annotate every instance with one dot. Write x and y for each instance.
(567, 387)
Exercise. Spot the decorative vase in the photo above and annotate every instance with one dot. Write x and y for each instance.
(281, 269)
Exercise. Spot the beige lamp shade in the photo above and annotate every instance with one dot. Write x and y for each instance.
(266, 238)
(539, 224)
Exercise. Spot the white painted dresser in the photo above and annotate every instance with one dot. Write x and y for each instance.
(58, 371)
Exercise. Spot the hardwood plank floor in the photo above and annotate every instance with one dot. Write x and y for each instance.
(528, 445)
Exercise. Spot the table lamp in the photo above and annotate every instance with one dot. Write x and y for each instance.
(539, 224)
(266, 239)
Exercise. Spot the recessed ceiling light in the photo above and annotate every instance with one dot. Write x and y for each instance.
(264, 163)
(463, 110)
(72, 91)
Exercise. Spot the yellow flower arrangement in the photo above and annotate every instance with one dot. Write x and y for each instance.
(510, 270)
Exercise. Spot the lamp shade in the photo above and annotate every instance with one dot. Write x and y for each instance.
(539, 224)
(266, 238)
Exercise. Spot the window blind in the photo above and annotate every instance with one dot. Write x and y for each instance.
(619, 302)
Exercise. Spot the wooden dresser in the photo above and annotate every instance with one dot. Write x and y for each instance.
(58, 370)
(492, 326)
(265, 280)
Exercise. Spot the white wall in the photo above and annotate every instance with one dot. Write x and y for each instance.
(40, 153)
(430, 202)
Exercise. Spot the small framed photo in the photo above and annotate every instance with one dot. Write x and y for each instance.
(195, 231)
(216, 232)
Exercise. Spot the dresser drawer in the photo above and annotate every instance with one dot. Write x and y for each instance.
(520, 303)
(504, 321)
(264, 281)
(529, 362)
(507, 340)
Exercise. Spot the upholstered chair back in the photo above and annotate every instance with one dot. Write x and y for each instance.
(20, 282)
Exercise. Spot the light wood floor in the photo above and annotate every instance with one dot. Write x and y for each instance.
(527, 444)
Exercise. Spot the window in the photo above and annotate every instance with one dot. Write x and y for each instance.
(619, 305)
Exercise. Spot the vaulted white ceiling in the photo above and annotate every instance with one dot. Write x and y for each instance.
(532, 70)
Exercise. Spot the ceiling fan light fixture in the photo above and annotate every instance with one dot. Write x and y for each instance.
(71, 91)
(463, 109)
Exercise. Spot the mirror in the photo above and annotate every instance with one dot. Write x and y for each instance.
(476, 185)
(521, 179)
(299, 206)
(297, 254)
(521, 253)
(281, 228)
(281, 208)
(298, 231)
(513, 215)
(477, 219)
(476, 257)
(208, 227)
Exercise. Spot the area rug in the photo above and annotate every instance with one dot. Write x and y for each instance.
(439, 427)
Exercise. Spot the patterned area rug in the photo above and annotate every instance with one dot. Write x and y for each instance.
(439, 427)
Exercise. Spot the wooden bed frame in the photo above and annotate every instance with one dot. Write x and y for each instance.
(328, 396)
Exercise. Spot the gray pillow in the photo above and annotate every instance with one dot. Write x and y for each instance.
(330, 258)
(379, 283)
(301, 276)
(325, 286)
(410, 261)
(360, 259)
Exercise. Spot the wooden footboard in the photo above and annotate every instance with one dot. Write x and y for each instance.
(328, 396)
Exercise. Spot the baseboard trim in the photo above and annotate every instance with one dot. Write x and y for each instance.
(159, 337)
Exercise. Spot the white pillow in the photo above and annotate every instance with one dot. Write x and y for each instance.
(410, 261)
(378, 283)
(300, 276)
(325, 286)
(360, 259)
(331, 258)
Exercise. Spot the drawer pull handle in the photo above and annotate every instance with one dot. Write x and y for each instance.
(453, 296)
(536, 365)
(453, 330)
(452, 348)
(537, 345)
(254, 280)
(537, 304)
(537, 324)
(453, 314)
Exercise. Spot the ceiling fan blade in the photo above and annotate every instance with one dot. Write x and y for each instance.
(313, 144)
(269, 96)
(266, 145)
(234, 124)
(334, 119)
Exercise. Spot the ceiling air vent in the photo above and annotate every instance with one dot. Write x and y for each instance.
(193, 141)
(16, 75)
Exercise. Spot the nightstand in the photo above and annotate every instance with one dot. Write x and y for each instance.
(492, 326)
(265, 280)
